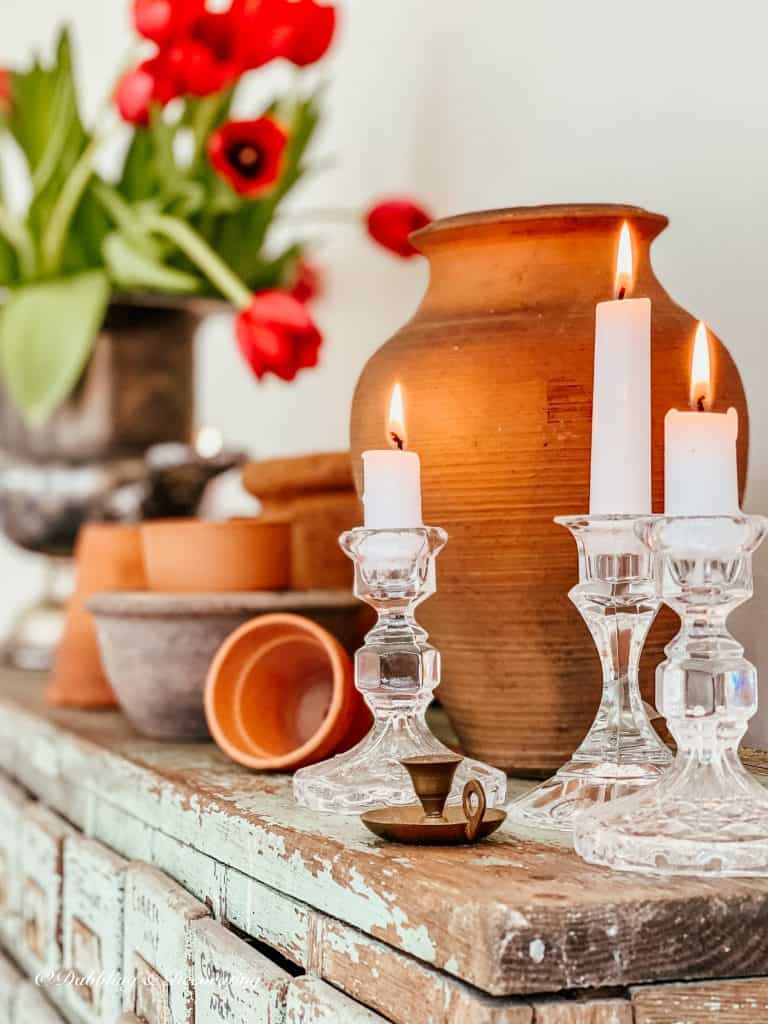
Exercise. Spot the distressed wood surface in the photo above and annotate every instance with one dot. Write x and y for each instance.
(591, 1010)
(311, 1001)
(12, 804)
(43, 834)
(157, 947)
(94, 893)
(514, 916)
(400, 987)
(10, 980)
(32, 1007)
(233, 983)
(716, 1002)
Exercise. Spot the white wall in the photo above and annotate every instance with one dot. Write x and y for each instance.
(472, 105)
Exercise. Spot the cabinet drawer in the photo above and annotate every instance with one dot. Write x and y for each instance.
(13, 802)
(157, 947)
(94, 892)
(43, 835)
(233, 982)
(33, 1008)
(311, 1001)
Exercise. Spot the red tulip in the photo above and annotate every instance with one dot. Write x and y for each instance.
(163, 20)
(248, 154)
(307, 281)
(276, 335)
(313, 29)
(298, 30)
(6, 94)
(391, 221)
(147, 83)
(196, 69)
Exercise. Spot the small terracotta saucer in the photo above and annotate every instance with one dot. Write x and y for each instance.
(430, 821)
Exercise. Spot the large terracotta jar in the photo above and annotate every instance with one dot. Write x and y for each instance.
(496, 367)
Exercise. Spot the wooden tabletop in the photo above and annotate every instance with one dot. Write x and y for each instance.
(518, 914)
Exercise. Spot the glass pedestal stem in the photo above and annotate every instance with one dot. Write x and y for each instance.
(617, 597)
(396, 671)
(706, 815)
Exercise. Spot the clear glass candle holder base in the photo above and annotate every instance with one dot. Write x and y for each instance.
(701, 818)
(396, 671)
(577, 787)
(370, 775)
(617, 597)
(707, 815)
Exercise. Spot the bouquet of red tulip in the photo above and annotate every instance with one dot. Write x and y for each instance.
(189, 211)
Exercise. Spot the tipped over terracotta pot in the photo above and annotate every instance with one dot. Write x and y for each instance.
(280, 694)
(207, 556)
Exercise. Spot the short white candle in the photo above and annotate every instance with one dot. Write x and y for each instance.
(700, 468)
(391, 490)
(620, 477)
(392, 478)
(700, 477)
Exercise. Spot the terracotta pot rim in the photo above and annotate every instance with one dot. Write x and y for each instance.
(524, 217)
(151, 604)
(216, 525)
(341, 667)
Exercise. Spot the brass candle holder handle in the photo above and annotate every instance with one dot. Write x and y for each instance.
(473, 802)
(430, 821)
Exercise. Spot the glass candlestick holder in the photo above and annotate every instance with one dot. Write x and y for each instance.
(617, 597)
(706, 815)
(396, 671)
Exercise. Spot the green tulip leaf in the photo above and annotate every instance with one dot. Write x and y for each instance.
(133, 267)
(47, 333)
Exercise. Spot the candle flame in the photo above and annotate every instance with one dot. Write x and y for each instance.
(209, 442)
(396, 419)
(701, 377)
(623, 282)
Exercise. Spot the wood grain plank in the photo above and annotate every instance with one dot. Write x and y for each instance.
(716, 1002)
(513, 916)
(10, 980)
(94, 895)
(400, 987)
(233, 982)
(13, 802)
(269, 916)
(311, 1001)
(589, 1010)
(43, 834)
(157, 947)
(32, 1007)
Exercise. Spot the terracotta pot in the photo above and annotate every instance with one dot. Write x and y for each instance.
(204, 556)
(108, 557)
(316, 495)
(157, 648)
(280, 694)
(316, 522)
(496, 367)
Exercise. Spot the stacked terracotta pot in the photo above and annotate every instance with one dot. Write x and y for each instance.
(316, 495)
(256, 613)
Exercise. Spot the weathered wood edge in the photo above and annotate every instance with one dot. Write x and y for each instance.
(79, 774)
(727, 1001)
(338, 957)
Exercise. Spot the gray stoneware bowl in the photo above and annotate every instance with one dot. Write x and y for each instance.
(156, 648)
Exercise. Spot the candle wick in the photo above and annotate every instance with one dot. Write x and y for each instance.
(622, 292)
(700, 404)
(397, 441)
